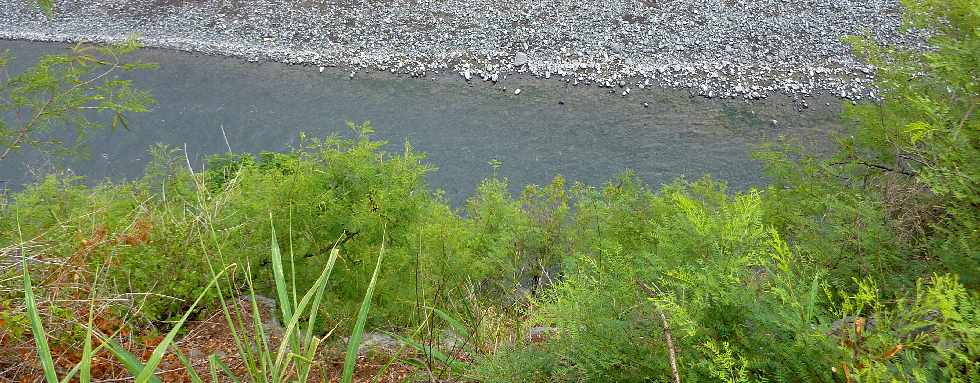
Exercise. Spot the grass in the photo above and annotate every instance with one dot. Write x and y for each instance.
(291, 360)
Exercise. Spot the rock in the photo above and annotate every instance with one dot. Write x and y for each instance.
(195, 354)
(268, 312)
(617, 38)
(646, 105)
(451, 342)
(322, 69)
(538, 334)
(517, 91)
(774, 123)
(520, 59)
(375, 341)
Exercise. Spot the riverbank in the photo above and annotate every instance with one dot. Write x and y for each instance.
(715, 49)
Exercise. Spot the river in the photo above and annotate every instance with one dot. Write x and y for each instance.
(583, 133)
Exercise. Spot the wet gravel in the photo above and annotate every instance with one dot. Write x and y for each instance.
(714, 48)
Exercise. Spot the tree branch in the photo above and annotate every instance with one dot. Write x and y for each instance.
(671, 351)
(24, 131)
(874, 166)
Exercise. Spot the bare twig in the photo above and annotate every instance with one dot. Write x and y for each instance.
(226, 138)
(671, 351)
(874, 166)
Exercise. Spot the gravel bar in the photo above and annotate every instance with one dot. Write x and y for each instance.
(714, 48)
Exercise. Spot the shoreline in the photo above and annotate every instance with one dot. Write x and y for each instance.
(735, 54)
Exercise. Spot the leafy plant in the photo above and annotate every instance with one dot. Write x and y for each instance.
(64, 90)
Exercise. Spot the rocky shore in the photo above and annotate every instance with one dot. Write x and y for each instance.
(714, 48)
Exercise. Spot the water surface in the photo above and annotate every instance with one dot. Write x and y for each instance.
(582, 133)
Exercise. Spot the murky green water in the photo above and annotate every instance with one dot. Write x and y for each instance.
(582, 133)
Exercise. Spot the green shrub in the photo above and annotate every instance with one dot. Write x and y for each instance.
(742, 303)
(326, 192)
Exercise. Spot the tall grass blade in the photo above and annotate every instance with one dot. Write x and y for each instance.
(453, 322)
(292, 259)
(213, 368)
(285, 304)
(85, 365)
(433, 353)
(260, 342)
(311, 342)
(311, 323)
(811, 299)
(37, 328)
(147, 373)
(195, 378)
(224, 368)
(71, 374)
(292, 328)
(307, 360)
(358, 334)
(128, 360)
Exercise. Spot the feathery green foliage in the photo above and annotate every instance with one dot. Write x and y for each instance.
(861, 267)
(52, 102)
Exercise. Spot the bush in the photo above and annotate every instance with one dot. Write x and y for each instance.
(336, 191)
(743, 305)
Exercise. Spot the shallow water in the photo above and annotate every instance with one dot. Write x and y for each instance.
(582, 133)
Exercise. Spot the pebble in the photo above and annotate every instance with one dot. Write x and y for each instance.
(594, 41)
(520, 59)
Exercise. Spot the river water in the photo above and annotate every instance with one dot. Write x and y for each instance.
(583, 133)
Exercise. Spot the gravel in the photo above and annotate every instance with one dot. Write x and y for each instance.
(714, 48)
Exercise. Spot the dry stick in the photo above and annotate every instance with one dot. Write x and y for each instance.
(671, 351)
(226, 138)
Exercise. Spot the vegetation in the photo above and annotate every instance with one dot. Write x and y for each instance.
(67, 91)
(860, 267)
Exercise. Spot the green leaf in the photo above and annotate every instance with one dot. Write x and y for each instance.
(195, 378)
(358, 334)
(213, 359)
(292, 328)
(917, 131)
(47, 6)
(455, 324)
(87, 353)
(432, 352)
(128, 360)
(37, 328)
(284, 303)
(147, 373)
